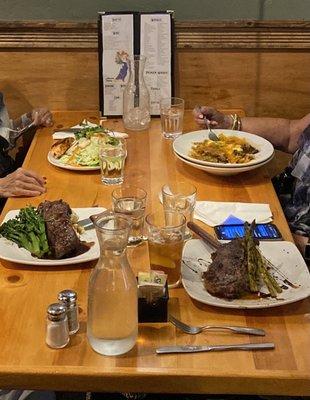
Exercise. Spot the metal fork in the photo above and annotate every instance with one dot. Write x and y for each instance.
(193, 330)
(24, 129)
(212, 135)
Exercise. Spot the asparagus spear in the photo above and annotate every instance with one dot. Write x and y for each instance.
(256, 265)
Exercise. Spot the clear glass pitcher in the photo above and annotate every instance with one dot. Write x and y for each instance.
(136, 97)
(112, 322)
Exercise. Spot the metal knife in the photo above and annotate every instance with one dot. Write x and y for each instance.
(86, 223)
(199, 349)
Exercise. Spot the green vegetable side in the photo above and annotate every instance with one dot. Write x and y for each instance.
(256, 265)
(27, 230)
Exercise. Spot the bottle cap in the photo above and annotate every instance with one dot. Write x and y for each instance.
(67, 296)
(56, 312)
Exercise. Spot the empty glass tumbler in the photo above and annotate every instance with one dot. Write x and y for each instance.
(136, 97)
(112, 322)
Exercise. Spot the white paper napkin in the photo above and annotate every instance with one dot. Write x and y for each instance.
(215, 213)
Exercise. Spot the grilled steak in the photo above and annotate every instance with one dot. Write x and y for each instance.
(227, 274)
(62, 238)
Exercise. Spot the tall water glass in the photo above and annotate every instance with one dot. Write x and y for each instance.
(171, 115)
(165, 231)
(131, 201)
(181, 197)
(112, 162)
(112, 320)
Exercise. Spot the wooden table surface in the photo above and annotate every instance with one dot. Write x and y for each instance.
(26, 361)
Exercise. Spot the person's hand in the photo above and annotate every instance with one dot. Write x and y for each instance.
(205, 116)
(42, 117)
(300, 242)
(22, 182)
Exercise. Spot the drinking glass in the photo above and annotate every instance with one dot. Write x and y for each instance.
(171, 115)
(112, 162)
(181, 197)
(131, 201)
(165, 231)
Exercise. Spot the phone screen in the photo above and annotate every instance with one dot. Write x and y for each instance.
(261, 231)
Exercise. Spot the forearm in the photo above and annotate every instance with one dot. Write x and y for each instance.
(282, 133)
(22, 121)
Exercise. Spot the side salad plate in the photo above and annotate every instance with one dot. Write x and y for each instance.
(10, 251)
(57, 163)
(79, 150)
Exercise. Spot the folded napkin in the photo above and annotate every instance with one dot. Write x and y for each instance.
(65, 134)
(215, 213)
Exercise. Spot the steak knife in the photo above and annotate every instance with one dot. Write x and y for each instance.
(199, 349)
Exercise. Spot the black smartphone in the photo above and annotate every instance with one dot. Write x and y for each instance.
(261, 232)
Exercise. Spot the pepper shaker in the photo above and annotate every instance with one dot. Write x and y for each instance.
(68, 298)
(57, 331)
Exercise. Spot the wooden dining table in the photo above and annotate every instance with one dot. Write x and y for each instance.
(26, 291)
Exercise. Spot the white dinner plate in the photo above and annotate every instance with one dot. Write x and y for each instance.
(11, 252)
(285, 256)
(183, 144)
(54, 161)
(221, 170)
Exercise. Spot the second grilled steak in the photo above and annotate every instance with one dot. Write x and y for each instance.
(227, 274)
(62, 238)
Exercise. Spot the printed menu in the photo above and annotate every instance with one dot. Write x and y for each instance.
(156, 46)
(122, 35)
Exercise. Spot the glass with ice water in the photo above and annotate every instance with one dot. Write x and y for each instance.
(131, 201)
(171, 115)
(165, 231)
(112, 162)
(181, 197)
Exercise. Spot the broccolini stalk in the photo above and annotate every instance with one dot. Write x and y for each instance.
(27, 230)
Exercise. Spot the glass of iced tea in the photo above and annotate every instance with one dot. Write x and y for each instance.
(131, 201)
(112, 162)
(165, 231)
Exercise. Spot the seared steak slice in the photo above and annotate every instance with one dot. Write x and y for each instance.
(62, 238)
(227, 274)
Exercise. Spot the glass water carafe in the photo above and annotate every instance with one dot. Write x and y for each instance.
(112, 322)
(136, 97)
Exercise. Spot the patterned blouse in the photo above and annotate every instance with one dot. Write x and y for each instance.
(296, 205)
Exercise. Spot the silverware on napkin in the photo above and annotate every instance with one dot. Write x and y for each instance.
(199, 349)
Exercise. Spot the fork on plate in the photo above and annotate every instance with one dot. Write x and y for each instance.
(193, 330)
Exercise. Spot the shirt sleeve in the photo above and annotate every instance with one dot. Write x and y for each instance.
(5, 123)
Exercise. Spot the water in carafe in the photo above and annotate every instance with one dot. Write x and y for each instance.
(112, 325)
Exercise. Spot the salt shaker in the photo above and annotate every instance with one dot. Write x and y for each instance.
(68, 298)
(57, 331)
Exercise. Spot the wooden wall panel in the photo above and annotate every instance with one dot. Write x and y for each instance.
(266, 84)
(61, 80)
(262, 83)
(260, 66)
